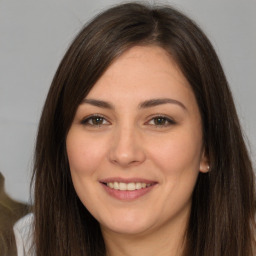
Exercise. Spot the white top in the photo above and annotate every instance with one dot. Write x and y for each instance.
(23, 232)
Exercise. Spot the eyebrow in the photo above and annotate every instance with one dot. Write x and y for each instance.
(144, 104)
(161, 101)
(98, 103)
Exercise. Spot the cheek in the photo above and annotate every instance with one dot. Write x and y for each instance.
(177, 154)
(84, 154)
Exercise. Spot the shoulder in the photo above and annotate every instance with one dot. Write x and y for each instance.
(23, 231)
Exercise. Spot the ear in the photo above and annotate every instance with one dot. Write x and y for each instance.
(204, 163)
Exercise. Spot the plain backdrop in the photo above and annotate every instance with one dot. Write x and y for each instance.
(34, 35)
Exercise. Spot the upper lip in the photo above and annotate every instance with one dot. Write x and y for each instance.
(127, 180)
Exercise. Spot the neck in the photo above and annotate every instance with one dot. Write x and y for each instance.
(164, 241)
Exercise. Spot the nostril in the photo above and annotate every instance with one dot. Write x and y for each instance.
(125, 149)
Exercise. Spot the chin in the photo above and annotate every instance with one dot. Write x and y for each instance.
(132, 229)
(128, 225)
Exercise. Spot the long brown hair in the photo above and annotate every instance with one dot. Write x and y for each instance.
(222, 214)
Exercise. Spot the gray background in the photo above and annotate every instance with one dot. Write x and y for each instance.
(35, 34)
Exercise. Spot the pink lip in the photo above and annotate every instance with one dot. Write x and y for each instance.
(126, 195)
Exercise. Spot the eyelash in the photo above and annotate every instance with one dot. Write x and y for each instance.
(88, 121)
(167, 121)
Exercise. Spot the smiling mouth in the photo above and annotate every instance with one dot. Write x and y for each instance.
(127, 190)
(131, 186)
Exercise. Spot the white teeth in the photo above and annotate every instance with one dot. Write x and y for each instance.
(116, 185)
(127, 186)
(122, 186)
(131, 186)
(111, 185)
(138, 186)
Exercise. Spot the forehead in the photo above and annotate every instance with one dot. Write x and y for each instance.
(140, 59)
(140, 73)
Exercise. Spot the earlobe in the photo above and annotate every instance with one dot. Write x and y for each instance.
(205, 169)
(204, 164)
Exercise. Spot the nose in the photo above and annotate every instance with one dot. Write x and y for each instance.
(127, 148)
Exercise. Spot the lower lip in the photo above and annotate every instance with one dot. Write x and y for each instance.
(127, 195)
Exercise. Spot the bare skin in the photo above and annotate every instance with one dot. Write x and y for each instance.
(135, 151)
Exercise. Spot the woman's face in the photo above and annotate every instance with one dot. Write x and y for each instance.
(135, 144)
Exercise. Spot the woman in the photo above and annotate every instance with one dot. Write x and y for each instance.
(139, 149)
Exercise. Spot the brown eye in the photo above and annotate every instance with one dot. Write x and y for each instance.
(95, 121)
(161, 121)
